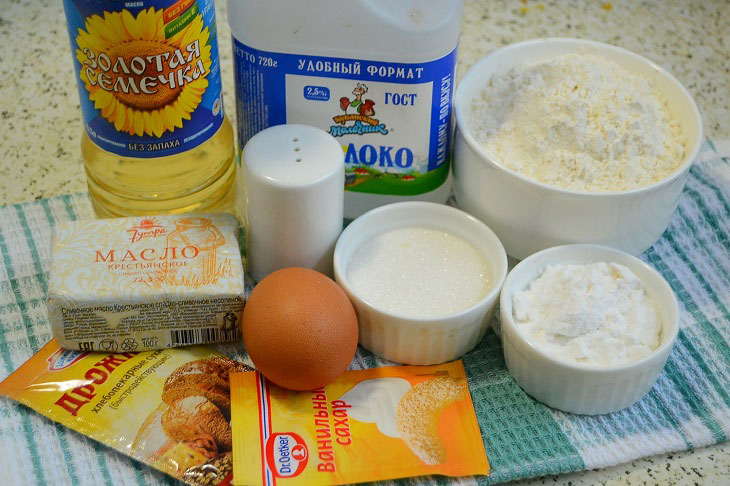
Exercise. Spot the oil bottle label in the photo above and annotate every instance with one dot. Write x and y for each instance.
(148, 73)
(393, 120)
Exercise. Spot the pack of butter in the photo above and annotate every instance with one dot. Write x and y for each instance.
(143, 283)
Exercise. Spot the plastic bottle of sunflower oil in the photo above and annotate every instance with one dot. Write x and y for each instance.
(378, 75)
(156, 139)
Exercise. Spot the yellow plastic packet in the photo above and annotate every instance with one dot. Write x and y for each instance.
(368, 425)
(168, 408)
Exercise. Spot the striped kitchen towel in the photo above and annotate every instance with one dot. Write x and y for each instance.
(688, 407)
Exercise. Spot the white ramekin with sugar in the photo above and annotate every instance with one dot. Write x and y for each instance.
(405, 338)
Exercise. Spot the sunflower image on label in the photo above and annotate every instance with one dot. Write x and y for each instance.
(350, 430)
(148, 73)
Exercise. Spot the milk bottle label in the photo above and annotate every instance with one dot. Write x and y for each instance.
(393, 120)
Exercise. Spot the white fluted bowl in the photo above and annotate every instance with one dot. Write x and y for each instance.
(577, 387)
(528, 215)
(421, 340)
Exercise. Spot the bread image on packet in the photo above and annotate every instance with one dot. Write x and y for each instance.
(368, 425)
(168, 408)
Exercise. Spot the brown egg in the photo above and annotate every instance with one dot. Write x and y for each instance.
(299, 328)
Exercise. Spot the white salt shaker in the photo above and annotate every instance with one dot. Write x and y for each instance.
(294, 183)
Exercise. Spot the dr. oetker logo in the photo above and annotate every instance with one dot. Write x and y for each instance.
(286, 454)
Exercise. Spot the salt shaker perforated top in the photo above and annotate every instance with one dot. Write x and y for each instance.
(294, 180)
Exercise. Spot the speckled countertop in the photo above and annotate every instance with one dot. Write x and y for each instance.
(41, 123)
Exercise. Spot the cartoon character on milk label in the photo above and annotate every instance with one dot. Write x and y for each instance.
(359, 111)
(364, 108)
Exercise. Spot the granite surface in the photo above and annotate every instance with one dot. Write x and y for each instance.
(41, 123)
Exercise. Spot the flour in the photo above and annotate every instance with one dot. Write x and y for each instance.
(596, 314)
(580, 122)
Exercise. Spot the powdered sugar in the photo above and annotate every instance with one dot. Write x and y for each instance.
(596, 314)
(580, 122)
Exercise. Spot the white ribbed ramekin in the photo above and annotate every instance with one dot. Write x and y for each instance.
(414, 340)
(528, 215)
(577, 387)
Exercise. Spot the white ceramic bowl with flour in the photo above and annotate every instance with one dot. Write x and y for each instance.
(529, 215)
(412, 307)
(578, 387)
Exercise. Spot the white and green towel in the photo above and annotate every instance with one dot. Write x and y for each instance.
(688, 407)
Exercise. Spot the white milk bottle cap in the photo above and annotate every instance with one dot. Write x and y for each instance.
(294, 183)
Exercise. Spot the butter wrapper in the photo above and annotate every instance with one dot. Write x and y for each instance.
(134, 284)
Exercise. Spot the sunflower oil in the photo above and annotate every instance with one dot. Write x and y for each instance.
(156, 139)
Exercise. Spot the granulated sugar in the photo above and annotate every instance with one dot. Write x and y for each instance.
(420, 272)
(580, 122)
